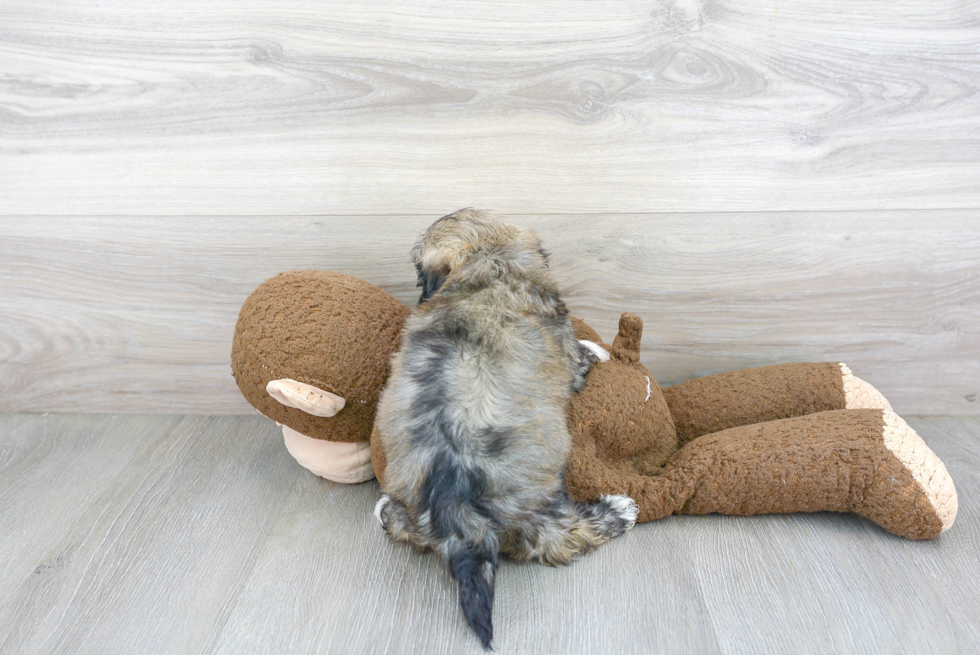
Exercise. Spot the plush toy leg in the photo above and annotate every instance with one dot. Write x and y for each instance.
(333, 460)
(756, 395)
(869, 462)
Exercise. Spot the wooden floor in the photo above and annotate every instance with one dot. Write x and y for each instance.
(188, 534)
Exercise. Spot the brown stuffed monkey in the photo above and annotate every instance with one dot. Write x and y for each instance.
(311, 351)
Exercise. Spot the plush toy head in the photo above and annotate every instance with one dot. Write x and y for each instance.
(325, 331)
(614, 442)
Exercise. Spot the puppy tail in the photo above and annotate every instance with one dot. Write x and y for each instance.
(475, 569)
(459, 522)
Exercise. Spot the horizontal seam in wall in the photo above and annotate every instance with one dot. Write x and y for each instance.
(507, 213)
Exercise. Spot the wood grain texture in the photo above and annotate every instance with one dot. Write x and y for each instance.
(152, 561)
(135, 314)
(40, 461)
(200, 534)
(310, 107)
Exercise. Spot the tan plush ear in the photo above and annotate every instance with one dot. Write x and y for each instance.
(626, 345)
(305, 397)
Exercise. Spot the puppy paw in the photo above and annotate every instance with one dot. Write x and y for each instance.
(379, 508)
(624, 508)
(594, 352)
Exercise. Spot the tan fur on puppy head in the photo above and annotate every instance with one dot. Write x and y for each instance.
(449, 243)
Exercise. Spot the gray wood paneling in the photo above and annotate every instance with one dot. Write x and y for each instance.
(157, 534)
(136, 313)
(311, 107)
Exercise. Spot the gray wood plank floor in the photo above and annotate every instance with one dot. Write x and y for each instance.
(138, 534)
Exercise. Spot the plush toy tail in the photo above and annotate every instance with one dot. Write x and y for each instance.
(866, 461)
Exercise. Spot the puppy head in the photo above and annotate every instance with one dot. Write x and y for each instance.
(470, 245)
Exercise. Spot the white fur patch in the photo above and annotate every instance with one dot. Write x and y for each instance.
(596, 350)
(384, 500)
(488, 571)
(625, 506)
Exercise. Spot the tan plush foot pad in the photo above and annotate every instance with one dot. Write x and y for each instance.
(858, 394)
(334, 460)
(926, 468)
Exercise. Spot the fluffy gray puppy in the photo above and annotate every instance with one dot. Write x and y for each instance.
(473, 417)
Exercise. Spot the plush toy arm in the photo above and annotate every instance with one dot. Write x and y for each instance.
(869, 462)
(755, 395)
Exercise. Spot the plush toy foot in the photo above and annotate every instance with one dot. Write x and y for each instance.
(333, 460)
(885, 502)
(858, 394)
(866, 461)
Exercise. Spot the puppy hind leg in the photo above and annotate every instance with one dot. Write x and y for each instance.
(397, 521)
(565, 530)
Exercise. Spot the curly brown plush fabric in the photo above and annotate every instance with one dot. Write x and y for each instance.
(834, 461)
(330, 330)
(726, 400)
(619, 418)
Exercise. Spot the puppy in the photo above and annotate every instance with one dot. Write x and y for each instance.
(473, 417)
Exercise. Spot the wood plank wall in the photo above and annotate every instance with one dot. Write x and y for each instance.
(762, 183)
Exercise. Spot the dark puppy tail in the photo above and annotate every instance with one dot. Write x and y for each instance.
(475, 569)
(462, 526)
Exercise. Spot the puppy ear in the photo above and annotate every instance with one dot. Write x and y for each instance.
(430, 281)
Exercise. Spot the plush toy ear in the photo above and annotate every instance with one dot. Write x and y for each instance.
(305, 397)
(626, 345)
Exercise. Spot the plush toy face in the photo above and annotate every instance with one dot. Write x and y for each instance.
(330, 334)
